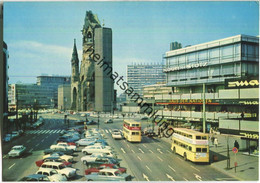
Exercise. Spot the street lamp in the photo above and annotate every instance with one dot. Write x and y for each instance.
(98, 119)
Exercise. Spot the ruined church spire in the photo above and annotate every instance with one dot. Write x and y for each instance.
(75, 63)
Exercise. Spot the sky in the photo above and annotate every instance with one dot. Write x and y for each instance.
(40, 35)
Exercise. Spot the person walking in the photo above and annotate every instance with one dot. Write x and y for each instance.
(216, 142)
(236, 144)
(242, 115)
(212, 140)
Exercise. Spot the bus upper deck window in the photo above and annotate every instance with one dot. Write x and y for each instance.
(204, 149)
(198, 137)
(198, 149)
(204, 137)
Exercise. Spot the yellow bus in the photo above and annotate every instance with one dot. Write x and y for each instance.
(190, 144)
(132, 131)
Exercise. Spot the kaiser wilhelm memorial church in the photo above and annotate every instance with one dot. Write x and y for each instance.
(91, 87)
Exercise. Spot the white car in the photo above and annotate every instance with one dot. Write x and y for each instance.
(91, 158)
(116, 134)
(17, 151)
(61, 155)
(65, 145)
(95, 149)
(60, 168)
(52, 174)
(85, 141)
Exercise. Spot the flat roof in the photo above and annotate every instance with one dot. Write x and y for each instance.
(190, 131)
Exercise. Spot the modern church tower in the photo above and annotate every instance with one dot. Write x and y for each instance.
(91, 88)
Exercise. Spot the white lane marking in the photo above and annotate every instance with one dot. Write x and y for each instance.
(110, 131)
(171, 168)
(197, 176)
(55, 131)
(62, 131)
(185, 179)
(107, 131)
(127, 145)
(145, 177)
(43, 131)
(139, 158)
(141, 150)
(180, 159)
(28, 141)
(170, 177)
(195, 168)
(37, 145)
(144, 145)
(159, 151)
(31, 150)
(59, 131)
(11, 166)
(168, 151)
(148, 168)
(132, 150)
(122, 150)
(47, 131)
(42, 140)
(150, 150)
(52, 131)
(159, 158)
(159, 145)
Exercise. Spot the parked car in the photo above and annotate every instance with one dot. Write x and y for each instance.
(95, 149)
(116, 134)
(15, 134)
(53, 159)
(59, 149)
(65, 139)
(109, 121)
(102, 160)
(63, 170)
(17, 151)
(60, 155)
(85, 142)
(92, 122)
(65, 145)
(8, 137)
(35, 178)
(52, 174)
(144, 118)
(108, 175)
(103, 166)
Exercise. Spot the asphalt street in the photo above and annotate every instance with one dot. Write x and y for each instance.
(150, 160)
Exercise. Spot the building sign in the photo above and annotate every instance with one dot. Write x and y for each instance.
(246, 83)
(189, 66)
(250, 135)
(249, 102)
(132, 127)
(188, 101)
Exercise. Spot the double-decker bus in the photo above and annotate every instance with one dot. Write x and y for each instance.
(190, 144)
(132, 131)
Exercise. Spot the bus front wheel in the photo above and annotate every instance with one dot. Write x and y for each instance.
(185, 156)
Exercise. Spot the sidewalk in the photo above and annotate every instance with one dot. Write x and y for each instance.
(247, 166)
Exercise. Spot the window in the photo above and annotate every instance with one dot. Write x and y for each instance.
(110, 174)
(214, 53)
(198, 137)
(45, 173)
(198, 149)
(203, 55)
(204, 149)
(204, 137)
(227, 51)
(55, 167)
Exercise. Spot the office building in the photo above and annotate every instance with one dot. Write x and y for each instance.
(64, 100)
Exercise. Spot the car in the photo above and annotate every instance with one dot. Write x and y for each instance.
(95, 149)
(108, 174)
(52, 174)
(53, 159)
(116, 134)
(35, 178)
(15, 134)
(60, 155)
(144, 118)
(64, 144)
(85, 142)
(103, 166)
(101, 143)
(101, 160)
(65, 139)
(79, 122)
(59, 149)
(63, 170)
(109, 121)
(92, 122)
(17, 151)
(8, 137)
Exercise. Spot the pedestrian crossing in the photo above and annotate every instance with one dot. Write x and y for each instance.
(109, 131)
(43, 131)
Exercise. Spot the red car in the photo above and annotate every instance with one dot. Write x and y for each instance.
(90, 170)
(53, 159)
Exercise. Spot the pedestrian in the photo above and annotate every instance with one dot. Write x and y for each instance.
(216, 142)
(212, 140)
(159, 132)
(236, 144)
(242, 115)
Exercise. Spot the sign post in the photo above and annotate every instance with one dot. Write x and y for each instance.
(235, 150)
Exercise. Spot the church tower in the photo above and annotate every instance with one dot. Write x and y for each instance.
(74, 77)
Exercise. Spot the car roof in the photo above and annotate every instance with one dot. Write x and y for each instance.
(18, 146)
(53, 157)
(36, 176)
(52, 163)
(108, 170)
(45, 169)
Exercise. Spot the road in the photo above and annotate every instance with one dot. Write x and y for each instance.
(150, 160)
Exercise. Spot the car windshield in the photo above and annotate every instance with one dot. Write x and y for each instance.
(16, 148)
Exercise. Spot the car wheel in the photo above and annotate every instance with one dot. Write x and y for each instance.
(185, 156)
(85, 152)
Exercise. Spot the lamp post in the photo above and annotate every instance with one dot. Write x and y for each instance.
(98, 119)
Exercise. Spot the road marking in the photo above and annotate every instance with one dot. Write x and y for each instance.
(159, 158)
(171, 168)
(197, 176)
(145, 177)
(59, 131)
(106, 131)
(31, 150)
(55, 131)
(159, 145)
(194, 168)
(47, 131)
(132, 150)
(150, 150)
(168, 151)
(185, 179)
(42, 140)
(28, 141)
(52, 131)
(43, 131)
(122, 150)
(180, 159)
(170, 177)
(148, 168)
(139, 158)
(11, 166)
(159, 151)
(110, 131)
(37, 145)
(127, 145)
(144, 145)
(141, 150)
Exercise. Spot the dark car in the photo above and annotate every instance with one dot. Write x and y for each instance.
(35, 178)
(65, 139)
(92, 122)
(102, 160)
(61, 149)
(144, 118)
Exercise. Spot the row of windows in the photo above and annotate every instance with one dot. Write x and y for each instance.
(189, 148)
